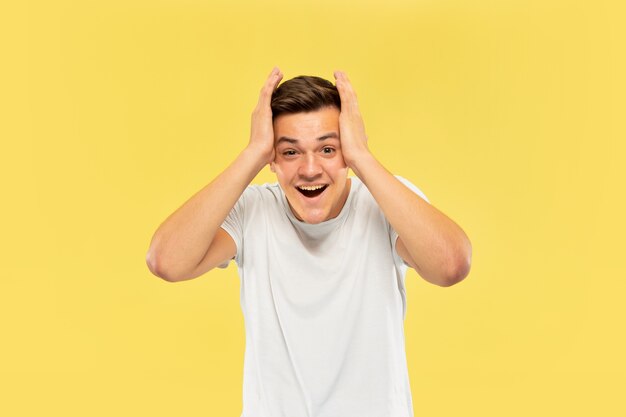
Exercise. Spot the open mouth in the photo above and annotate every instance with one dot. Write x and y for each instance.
(311, 191)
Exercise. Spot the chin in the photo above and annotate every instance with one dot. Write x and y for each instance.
(312, 218)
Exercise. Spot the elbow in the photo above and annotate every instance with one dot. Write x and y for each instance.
(156, 267)
(458, 267)
(456, 275)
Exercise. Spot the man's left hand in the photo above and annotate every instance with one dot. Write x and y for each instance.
(351, 126)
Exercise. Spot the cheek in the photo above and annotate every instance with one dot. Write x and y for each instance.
(282, 171)
(338, 166)
(338, 160)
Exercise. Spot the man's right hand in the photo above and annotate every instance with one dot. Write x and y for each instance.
(191, 241)
(262, 129)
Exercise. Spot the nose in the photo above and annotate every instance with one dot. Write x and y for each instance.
(310, 167)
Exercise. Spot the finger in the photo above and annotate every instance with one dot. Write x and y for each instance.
(344, 84)
(272, 81)
(346, 92)
(347, 84)
(274, 78)
(268, 88)
(274, 70)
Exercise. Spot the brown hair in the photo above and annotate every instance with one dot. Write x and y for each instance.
(304, 93)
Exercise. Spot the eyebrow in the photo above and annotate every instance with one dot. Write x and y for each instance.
(331, 135)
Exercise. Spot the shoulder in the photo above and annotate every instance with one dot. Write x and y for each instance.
(262, 191)
(260, 196)
(361, 191)
(362, 202)
(412, 187)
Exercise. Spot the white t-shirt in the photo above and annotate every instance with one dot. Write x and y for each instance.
(324, 307)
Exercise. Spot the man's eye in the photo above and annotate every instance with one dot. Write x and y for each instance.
(289, 153)
(328, 150)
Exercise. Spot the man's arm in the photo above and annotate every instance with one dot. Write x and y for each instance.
(190, 242)
(428, 240)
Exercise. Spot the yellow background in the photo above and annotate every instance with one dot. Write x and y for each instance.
(509, 115)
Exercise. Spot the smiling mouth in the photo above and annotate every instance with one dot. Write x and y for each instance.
(312, 190)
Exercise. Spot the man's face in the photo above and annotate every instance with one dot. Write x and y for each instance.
(309, 164)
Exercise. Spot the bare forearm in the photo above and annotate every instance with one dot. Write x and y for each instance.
(182, 240)
(437, 246)
(433, 244)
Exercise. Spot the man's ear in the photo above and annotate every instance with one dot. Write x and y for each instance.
(272, 167)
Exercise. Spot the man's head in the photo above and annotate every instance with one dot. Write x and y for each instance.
(304, 94)
(309, 165)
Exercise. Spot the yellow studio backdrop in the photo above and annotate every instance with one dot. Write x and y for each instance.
(509, 115)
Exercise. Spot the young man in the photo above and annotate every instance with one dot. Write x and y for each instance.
(322, 257)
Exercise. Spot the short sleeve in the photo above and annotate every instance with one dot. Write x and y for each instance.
(393, 235)
(233, 225)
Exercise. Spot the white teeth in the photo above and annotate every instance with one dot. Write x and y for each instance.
(310, 187)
